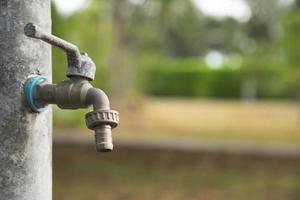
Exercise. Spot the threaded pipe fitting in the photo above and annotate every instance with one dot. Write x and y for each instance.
(102, 117)
(102, 121)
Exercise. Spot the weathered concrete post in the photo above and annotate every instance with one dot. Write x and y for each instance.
(25, 137)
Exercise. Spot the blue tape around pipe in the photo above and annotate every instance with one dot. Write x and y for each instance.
(30, 89)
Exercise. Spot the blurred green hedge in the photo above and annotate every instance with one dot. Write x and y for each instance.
(190, 77)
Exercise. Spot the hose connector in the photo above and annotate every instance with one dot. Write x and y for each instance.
(102, 122)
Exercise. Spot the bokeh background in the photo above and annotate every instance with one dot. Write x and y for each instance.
(208, 95)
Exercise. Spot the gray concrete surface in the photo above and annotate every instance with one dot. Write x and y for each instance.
(25, 137)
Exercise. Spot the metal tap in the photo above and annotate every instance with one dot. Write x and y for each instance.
(74, 93)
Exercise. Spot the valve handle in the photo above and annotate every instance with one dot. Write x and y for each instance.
(78, 64)
(72, 50)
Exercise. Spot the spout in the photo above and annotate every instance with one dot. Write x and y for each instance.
(73, 94)
(98, 99)
(101, 119)
(80, 94)
(103, 138)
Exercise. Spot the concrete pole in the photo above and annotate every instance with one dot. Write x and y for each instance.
(25, 137)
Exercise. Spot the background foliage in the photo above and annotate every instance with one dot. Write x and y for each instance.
(163, 44)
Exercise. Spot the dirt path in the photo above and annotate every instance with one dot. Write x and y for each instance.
(186, 145)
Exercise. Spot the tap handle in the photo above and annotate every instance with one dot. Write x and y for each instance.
(78, 64)
(71, 50)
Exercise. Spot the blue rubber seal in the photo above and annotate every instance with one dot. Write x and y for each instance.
(30, 89)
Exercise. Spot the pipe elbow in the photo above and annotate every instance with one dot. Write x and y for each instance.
(98, 99)
(102, 119)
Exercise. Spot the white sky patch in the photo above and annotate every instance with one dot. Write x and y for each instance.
(137, 1)
(214, 59)
(68, 7)
(286, 2)
(237, 9)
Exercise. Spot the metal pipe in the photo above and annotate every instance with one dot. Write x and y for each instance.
(78, 93)
(103, 136)
(98, 99)
(25, 136)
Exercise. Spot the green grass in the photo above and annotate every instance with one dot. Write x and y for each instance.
(82, 174)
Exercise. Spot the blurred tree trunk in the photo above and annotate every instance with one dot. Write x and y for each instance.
(117, 67)
(249, 90)
(262, 29)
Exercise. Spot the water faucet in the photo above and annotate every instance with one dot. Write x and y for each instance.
(74, 93)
